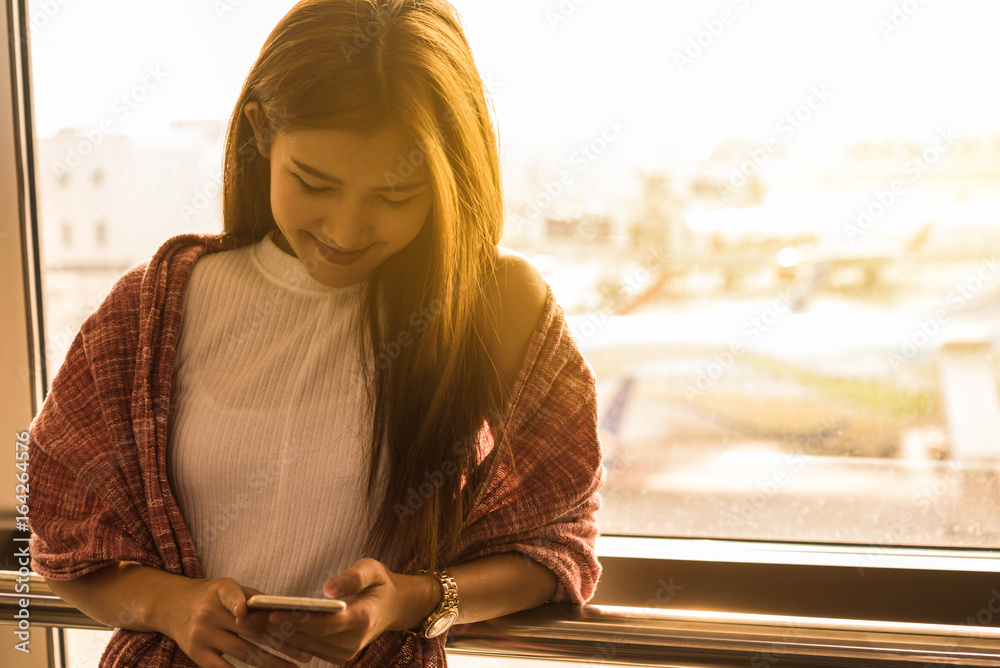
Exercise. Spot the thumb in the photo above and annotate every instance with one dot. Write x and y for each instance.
(362, 575)
(233, 599)
(240, 607)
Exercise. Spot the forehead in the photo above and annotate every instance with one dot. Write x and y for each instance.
(390, 155)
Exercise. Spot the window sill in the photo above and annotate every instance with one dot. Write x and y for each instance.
(630, 636)
(606, 634)
(888, 584)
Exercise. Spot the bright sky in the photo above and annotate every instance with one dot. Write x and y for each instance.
(604, 58)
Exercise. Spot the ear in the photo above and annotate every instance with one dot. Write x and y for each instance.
(255, 115)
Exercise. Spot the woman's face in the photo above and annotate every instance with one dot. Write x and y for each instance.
(344, 201)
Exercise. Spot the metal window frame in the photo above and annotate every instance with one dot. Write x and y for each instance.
(22, 359)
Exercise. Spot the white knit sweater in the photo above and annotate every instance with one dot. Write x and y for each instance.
(268, 428)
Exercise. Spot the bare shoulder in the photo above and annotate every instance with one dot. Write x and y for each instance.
(515, 297)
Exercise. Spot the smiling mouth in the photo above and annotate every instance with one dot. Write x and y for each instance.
(339, 256)
(341, 252)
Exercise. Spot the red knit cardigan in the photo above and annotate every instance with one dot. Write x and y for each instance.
(100, 491)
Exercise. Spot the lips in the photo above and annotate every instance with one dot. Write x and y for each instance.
(338, 257)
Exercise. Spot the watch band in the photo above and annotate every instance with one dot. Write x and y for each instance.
(446, 613)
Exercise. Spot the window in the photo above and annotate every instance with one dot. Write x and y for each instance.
(774, 226)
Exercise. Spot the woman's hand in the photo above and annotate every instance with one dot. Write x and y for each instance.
(378, 600)
(200, 616)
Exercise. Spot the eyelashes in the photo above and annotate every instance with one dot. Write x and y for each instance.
(392, 204)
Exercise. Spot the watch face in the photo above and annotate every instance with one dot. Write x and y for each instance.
(442, 623)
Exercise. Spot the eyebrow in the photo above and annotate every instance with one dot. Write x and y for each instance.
(404, 187)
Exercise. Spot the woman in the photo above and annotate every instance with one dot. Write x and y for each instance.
(354, 393)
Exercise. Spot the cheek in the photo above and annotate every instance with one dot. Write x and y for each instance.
(288, 206)
(402, 228)
(415, 222)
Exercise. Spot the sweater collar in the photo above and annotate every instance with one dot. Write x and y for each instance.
(289, 271)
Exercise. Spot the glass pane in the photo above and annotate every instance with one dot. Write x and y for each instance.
(84, 647)
(774, 227)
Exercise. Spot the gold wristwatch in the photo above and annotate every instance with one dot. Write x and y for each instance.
(446, 613)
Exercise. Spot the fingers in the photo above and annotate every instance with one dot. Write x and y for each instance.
(279, 642)
(254, 655)
(289, 622)
(233, 598)
(255, 626)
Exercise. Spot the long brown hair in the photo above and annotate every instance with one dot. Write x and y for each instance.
(363, 65)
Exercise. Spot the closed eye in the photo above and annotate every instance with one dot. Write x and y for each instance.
(307, 187)
(396, 204)
(391, 203)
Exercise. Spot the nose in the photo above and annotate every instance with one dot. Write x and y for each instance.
(346, 227)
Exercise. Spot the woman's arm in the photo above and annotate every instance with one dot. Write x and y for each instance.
(379, 600)
(198, 614)
(117, 595)
(490, 587)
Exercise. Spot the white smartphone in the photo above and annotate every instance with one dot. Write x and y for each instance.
(268, 602)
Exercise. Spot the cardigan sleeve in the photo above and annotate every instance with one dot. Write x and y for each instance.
(85, 502)
(543, 496)
(543, 493)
